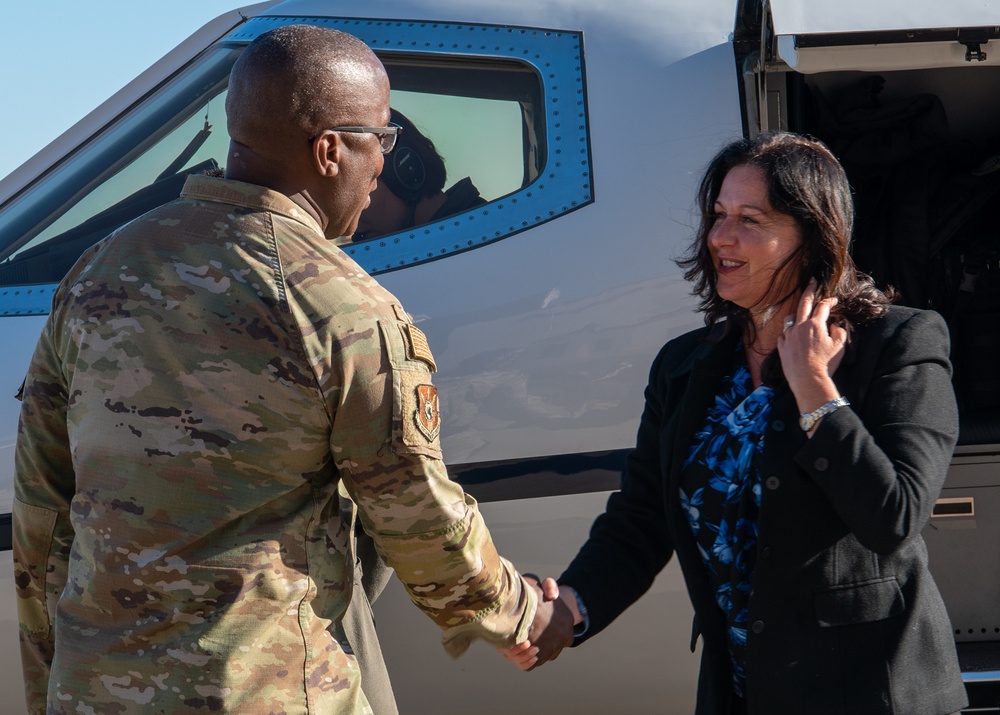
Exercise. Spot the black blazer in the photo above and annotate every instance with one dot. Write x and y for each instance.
(844, 615)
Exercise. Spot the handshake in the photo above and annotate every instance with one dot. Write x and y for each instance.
(551, 630)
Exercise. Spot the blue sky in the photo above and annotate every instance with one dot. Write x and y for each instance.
(62, 58)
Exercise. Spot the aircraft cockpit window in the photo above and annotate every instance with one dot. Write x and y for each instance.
(495, 141)
(139, 163)
(470, 136)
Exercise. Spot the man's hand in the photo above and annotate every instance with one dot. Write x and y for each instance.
(550, 631)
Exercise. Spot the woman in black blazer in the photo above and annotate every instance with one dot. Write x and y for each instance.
(789, 453)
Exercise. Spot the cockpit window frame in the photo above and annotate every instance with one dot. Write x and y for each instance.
(558, 177)
(564, 185)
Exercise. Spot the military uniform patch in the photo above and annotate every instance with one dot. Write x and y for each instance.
(417, 347)
(428, 415)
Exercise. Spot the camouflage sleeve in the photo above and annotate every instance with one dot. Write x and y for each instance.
(385, 442)
(42, 534)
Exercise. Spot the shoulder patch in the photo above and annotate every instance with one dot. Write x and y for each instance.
(417, 347)
(428, 414)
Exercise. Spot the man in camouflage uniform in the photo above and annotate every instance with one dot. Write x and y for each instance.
(213, 382)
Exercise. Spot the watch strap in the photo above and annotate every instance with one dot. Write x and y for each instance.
(808, 420)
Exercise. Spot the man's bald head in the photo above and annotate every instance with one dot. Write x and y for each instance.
(295, 81)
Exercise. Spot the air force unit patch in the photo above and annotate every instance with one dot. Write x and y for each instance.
(428, 415)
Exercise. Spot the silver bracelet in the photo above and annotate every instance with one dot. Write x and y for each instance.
(808, 420)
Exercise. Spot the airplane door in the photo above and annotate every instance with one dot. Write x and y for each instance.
(904, 94)
(778, 37)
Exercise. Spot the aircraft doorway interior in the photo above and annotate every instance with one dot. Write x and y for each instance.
(926, 189)
(499, 122)
(911, 117)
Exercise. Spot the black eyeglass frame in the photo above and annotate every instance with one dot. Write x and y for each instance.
(392, 132)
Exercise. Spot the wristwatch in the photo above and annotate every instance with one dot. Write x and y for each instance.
(808, 420)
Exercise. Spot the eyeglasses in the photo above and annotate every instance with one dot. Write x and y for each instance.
(387, 136)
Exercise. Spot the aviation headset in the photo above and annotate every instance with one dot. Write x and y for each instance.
(405, 174)
(414, 169)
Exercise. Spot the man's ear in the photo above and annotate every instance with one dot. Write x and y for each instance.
(326, 150)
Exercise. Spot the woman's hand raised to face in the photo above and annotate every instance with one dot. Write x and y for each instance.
(811, 350)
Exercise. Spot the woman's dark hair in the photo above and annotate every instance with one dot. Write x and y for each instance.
(804, 181)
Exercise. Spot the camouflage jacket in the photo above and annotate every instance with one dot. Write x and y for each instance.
(212, 383)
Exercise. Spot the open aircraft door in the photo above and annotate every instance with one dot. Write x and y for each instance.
(776, 39)
(905, 94)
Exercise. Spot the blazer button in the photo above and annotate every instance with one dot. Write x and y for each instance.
(778, 425)
(757, 627)
(765, 552)
(821, 464)
(772, 483)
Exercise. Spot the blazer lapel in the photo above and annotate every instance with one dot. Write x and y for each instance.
(704, 372)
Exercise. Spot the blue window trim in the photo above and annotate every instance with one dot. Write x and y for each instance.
(26, 300)
(564, 185)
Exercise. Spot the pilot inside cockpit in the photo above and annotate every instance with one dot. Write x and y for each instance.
(410, 189)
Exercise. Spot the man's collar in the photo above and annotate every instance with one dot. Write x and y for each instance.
(239, 193)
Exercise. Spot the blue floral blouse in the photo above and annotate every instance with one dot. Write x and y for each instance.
(720, 491)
